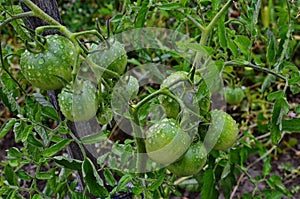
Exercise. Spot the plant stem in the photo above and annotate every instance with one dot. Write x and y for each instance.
(40, 13)
(248, 64)
(97, 67)
(17, 16)
(207, 30)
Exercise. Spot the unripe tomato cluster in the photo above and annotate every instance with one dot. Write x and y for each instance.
(51, 69)
(168, 144)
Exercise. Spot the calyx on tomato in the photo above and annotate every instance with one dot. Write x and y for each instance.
(51, 68)
(191, 162)
(110, 55)
(234, 96)
(80, 103)
(166, 142)
(223, 130)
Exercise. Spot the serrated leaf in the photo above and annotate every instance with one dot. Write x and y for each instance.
(92, 179)
(7, 127)
(208, 189)
(109, 177)
(68, 162)
(56, 147)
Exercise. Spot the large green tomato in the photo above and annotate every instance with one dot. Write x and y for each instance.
(79, 104)
(191, 162)
(51, 68)
(223, 131)
(166, 142)
(110, 55)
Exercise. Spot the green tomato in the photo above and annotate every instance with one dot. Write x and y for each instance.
(175, 84)
(79, 104)
(50, 69)
(166, 142)
(223, 131)
(112, 56)
(191, 162)
(234, 96)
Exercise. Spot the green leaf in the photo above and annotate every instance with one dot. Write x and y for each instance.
(34, 141)
(271, 49)
(109, 177)
(48, 109)
(68, 162)
(14, 153)
(44, 176)
(243, 44)
(155, 185)
(123, 182)
(94, 138)
(208, 189)
(267, 82)
(280, 108)
(7, 126)
(292, 125)
(10, 175)
(18, 131)
(275, 95)
(267, 167)
(142, 15)
(169, 6)
(27, 130)
(92, 179)
(23, 175)
(56, 147)
(222, 33)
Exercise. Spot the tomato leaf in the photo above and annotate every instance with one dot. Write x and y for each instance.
(92, 179)
(142, 15)
(280, 108)
(109, 177)
(7, 126)
(222, 33)
(56, 147)
(68, 162)
(154, 185)
(291, 125)
(209, 182)
(169, 6)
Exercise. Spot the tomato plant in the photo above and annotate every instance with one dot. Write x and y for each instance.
(51, 68)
